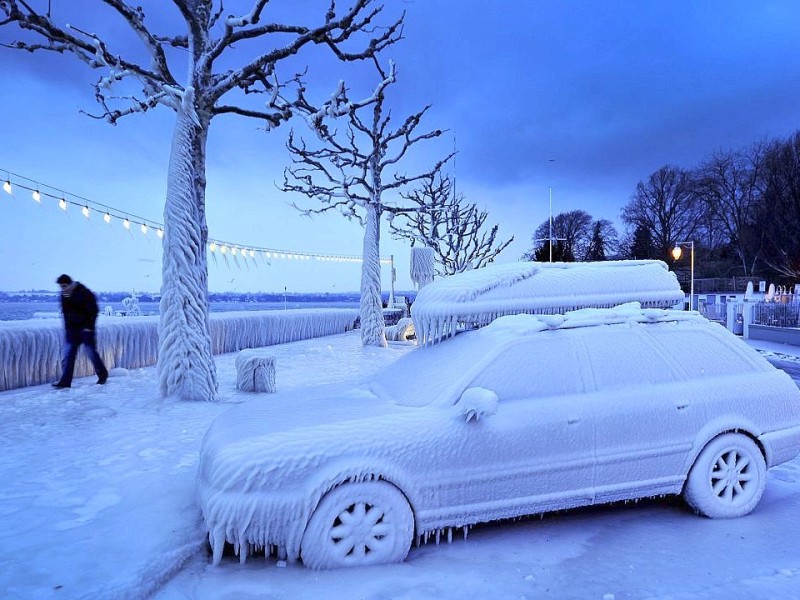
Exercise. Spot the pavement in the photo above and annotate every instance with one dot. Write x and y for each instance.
(788, 350)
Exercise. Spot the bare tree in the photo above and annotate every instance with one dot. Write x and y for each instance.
(779, 211)
(731, 186)
(573, 231)
(351, 173)
(664, 206)
(180, 73)
(452, 228)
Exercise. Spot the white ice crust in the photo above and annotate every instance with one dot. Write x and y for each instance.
(432, 425)
(30, 351)
(474, 298)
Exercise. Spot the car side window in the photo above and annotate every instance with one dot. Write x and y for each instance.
(538, 368)
(621, 357)
(701, 354)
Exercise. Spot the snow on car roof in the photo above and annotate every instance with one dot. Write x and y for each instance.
(475, 298)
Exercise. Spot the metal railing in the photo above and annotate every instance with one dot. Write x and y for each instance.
(704, 285)
(775, 314)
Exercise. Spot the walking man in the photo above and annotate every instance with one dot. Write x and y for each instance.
(79, 307)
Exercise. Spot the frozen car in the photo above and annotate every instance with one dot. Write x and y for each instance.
(527, 415)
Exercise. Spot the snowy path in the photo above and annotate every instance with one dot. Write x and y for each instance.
(97, 494)
(97, 501)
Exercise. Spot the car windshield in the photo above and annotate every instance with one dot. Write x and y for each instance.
(428, 374)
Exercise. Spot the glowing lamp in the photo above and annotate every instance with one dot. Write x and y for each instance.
(107, 218)
(126, 224)
(143, 228)
(676, 252)
(36, 196)
(62, 204)
(160, 233)
(7, 186)
(85, 211)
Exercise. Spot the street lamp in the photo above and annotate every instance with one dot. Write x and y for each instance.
(676, 254)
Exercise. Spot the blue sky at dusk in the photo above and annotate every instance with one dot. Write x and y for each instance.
(588, 97)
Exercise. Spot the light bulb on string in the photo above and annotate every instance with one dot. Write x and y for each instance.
(7, 186)
(62, 204)
(252, 254)
(126, 224)
(85, 211)
(36, 196)
(160, 233)
(223, 249)
(233, 251)
(212, 247)
(143, 228)
(107, 218)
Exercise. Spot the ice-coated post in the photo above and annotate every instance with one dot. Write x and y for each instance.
(422, 266)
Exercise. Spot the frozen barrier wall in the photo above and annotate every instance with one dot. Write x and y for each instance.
(30, 350)
(476, 298)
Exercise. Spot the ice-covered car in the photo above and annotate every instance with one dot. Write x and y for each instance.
(526, 415)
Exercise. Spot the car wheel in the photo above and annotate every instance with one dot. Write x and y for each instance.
(356, 524)
(728, 477)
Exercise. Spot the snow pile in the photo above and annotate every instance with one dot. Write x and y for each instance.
(475, 298)
(30, 351)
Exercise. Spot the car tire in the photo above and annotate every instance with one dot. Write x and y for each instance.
(356, 524)
(728, 478)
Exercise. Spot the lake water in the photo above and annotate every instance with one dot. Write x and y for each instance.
(15, 311)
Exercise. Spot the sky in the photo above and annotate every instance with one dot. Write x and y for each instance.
(582, 98)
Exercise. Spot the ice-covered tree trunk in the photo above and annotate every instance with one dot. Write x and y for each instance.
(186, 368)
(372, 323)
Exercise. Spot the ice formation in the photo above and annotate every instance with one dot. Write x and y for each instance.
(400, 332)
(529, 414)
(475, 298)
(255, 371)
(422, 266)
(30, 351)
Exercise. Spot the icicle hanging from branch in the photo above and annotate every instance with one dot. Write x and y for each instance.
(422, 266)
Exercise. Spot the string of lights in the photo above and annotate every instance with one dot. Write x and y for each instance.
(66, 200)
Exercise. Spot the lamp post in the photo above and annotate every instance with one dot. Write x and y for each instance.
(676, 254)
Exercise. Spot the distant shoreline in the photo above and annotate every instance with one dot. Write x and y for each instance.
(52, 296)
(46, 305)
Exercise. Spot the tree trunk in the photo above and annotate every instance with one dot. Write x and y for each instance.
(372, 324)
(186, 368)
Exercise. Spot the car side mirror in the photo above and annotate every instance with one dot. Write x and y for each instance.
(477, 403)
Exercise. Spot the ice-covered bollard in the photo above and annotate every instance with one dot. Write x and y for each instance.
(255, 372)
(403, 331)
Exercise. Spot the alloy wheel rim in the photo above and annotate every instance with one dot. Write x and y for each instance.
(731, 477)
(359, 530)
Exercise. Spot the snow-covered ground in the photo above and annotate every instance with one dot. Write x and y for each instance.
(97, 501)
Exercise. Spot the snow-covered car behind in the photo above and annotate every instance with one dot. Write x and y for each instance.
(526, 415)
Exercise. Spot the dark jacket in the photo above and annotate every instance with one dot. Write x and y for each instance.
(79, 308)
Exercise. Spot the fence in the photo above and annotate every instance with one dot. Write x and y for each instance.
(30, 351)
(776, 315)
(731, 285)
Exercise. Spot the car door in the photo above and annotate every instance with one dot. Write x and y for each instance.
(535, 453)
(644, 418)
